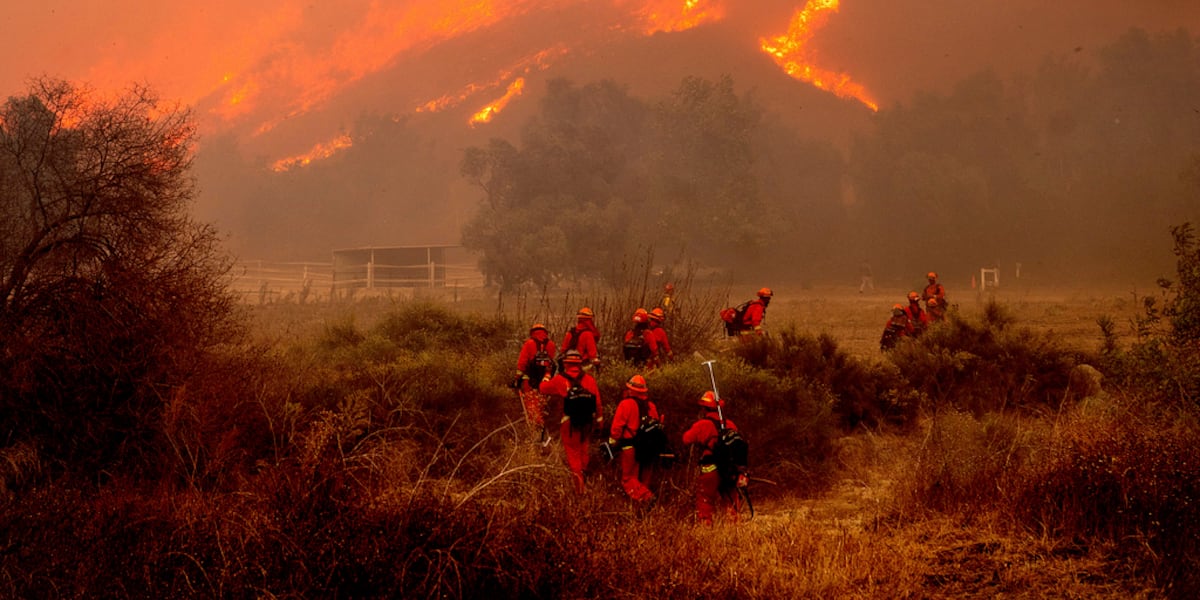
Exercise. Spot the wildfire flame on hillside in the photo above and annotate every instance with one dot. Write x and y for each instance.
(383, 33)
(792, 53)
(539, 61)
(486, 113)
(667, 15)
(318, 152)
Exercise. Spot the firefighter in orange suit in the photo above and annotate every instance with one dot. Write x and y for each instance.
(709, 489)
(917, 317)
(635, 478)
(583, 337)
(755, 312)
(582, 411)
(934, 289)
(535, 361)
(665, 355)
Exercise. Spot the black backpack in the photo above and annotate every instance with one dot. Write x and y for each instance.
(735, 318)
(541, 365)
(579, 405)
(636, 349)
(730, 453)
(650, 441)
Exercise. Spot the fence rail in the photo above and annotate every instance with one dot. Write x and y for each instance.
(268, 281)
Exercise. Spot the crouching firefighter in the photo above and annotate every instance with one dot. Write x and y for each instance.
(722, 479)
(638, 439)
(581, 411)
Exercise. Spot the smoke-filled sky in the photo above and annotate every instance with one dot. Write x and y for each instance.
(259, 63)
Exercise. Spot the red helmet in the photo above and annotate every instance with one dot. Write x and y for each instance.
(670, 287)
(913, 296)
(765, 293)
(572, 357)
(709, 401)
(585, 313)
(637, 385)
(931, 275)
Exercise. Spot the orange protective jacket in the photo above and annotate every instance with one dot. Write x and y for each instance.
(919, 319)
(704, 432)
(660, 338)
(934, 290)
(559, 385)
(754, 315)
(529, 350)
(586, 345)
(627, 419)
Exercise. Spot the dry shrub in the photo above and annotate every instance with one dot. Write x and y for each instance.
(865, 393)
(987, 365)
(964, 464)
(1115, 471)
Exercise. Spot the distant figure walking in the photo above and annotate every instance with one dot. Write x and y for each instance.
(867, 277)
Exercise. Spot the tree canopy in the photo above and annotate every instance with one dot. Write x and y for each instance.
(109, 293)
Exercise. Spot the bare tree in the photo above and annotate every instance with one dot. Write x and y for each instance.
(110, 294)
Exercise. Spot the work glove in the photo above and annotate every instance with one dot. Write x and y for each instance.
(516, 383)
(743, 480)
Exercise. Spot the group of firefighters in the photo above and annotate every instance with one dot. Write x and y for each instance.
(912, 320)
(567, 382)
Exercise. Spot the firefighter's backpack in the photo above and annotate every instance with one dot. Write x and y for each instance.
(636, 350)
(735, 317)
(541, 365)
(731, 453)
(650, 441)
(579, 405)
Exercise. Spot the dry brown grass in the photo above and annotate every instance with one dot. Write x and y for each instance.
(352, 463)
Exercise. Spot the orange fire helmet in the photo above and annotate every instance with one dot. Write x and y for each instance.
(585, 313)
(765, 293)
(637, 385)
(709, 401)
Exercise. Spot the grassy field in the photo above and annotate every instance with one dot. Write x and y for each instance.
(373, 449)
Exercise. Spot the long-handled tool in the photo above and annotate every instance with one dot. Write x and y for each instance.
(721, 415)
